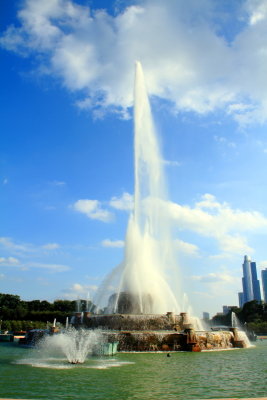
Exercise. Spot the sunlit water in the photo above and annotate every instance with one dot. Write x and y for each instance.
(73, 344)
(221, 374)
(149, 271)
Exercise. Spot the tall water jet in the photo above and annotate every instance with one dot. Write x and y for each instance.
(141, 281)
(142, 293)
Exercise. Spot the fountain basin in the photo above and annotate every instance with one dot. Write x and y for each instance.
(155, 332)
(132, 322)
(135, 341)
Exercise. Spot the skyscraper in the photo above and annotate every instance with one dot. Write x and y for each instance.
(264, 283)
(255, 282)
(250, 283)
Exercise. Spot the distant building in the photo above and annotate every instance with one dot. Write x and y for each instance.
(255, 282)
(227, 309)
(250, 283)
(241, 299)
(219, 314)
(206, 316)
(264, 283)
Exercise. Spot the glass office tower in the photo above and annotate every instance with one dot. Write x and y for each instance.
(250, 283)
(264, 283)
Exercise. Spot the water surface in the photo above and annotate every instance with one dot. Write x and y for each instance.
(27, 374)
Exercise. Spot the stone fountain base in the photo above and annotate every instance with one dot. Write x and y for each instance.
(152, 332)
(172, 341)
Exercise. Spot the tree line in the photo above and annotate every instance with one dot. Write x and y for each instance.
(253, 315)
(17, 314)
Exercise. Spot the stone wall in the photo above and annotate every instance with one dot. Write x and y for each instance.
(132, 322)
(172, 341)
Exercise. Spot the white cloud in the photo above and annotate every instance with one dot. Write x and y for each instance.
(215, 277)
(203, 295)
(217, 285)
(50, 267)
(51, 246)
(9, 244)
(171, 163)
(222, 256)
(86, 50)
(219, 221)
(13, 246)
(93, 210)
(58, 183)
(208, 201)
(257, 10)
(262, 264)
(79, 291)
(235, 244)
(112, 243)
(187, 248)
(125, 202)
(223, 140)
(6, 261)
(25, 266)
(77, 287)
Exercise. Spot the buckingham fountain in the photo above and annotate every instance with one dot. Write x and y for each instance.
(141, 300)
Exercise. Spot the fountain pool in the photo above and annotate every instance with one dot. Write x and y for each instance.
(153, 376)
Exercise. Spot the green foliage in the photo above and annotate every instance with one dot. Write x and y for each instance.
(17, 314)
(46, 316)
(253, 311)
(16, 326)
(260, 328)
(253, 314)
(9, 300)
(64, 305)
(221, 319)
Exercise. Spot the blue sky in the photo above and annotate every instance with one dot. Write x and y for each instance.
(66, 156)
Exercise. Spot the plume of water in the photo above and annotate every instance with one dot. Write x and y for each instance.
(241, 332)
(235, 321)
(87, 307)
(74, 344)
(149, 260)
(78, 305)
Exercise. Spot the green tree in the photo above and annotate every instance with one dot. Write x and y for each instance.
(9, 300)
(252, 311)
(45, 306)
(34, 305)
(6, 326)
(64, 306)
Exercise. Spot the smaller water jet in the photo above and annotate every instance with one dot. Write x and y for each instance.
(74, 344)
(239, 332)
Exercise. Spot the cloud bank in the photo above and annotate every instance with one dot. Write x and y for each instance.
(207, 218)
(211, 219)
(112, 243)
(27, 253)
(125, 202)
(93, 210)
(187, 54)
